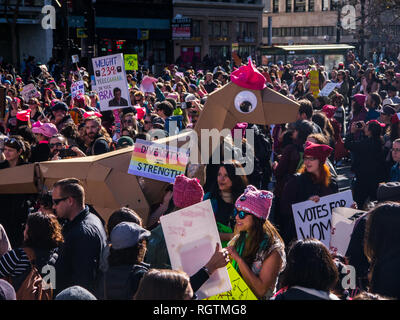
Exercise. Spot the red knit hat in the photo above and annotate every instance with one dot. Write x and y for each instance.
(256, 202)
(329, 110)
(319, 151)
(360, 98)
(248, 77)
(187, 192)
(377, 122)
(24, 115)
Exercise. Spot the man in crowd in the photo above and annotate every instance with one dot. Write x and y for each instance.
(98, 136)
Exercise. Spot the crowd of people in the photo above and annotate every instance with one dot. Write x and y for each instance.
(125, 258)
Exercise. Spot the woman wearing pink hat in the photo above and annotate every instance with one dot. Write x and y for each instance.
(257, 249)
(312, 181)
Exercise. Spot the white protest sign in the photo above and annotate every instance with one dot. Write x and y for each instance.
(191, 236)
(75, 58)
(343, 222)
(77, 88)
(111, 84)
(29, 91)
(326, 91)
(313, 219)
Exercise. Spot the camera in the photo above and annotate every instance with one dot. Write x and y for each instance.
(66, 153)
(359, 125)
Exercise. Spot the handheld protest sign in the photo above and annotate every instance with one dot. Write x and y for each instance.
(327, 89)
(314, 83)
(343, 222)
(191, 236)
(313, 220)
(131, 62)
(29, 91)
(77, 88)
(111, 83)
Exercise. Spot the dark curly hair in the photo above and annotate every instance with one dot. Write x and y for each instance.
(44, 231)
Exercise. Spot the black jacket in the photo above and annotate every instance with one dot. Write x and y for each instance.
(84, 241)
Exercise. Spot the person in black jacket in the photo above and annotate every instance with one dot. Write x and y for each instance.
(84, 235)
(368, 159)
(382, 239)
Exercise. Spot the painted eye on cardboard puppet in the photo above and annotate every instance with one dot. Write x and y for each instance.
(245, 102)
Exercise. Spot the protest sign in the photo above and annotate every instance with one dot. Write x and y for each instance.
(157, 161)
(75, 59)
(240, 289)
(343, 222)
(111, 83)
(313, 220)
(29, 91)
(77, 88)
(314, 83)
(131, 62)
(147, 84)
(191, 236)
(327, 89)
(300, 64)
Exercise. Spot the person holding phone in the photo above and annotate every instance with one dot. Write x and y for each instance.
(59, 148)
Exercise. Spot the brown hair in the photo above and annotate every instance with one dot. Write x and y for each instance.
(44, 231)
(73, 188)
(163, 284)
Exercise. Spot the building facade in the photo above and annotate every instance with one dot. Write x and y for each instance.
(212, 29)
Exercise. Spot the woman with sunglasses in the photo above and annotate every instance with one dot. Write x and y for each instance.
(16, 152)
(36, 110)
(312, 181)
(257, 249)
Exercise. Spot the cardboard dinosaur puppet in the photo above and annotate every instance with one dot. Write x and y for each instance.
(105, 177)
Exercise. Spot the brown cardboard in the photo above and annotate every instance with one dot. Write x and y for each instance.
(19, 179)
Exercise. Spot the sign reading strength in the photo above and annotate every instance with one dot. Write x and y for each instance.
(157, 161)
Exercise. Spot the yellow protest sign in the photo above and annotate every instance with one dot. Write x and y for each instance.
(240, 290)
(314, 83)
(131, 62)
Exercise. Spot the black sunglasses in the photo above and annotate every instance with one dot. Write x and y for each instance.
(58, 144)
(242, 214)
(57, 201)
(12, 143)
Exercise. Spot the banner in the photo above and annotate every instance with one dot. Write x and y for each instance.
(77, 88)
(314, 83)
(181, 27)
(111, 83)
(131, 62)
(300, 64)
(343, 222)
(191, 236)
(157, 161)
(327, 89)
(29, 91)
(240, 289)
(313, 220)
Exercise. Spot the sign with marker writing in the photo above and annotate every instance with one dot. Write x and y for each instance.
(313, 219)
(327, 89)
(191, 236)
(240, 289)
(77, 88)
(343, 222)
(157, 161)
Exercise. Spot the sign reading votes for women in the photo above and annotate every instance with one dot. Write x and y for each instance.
(157, 161)
(111, 83)
(313, 219)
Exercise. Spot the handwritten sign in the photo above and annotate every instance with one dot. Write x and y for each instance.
(313, 220)
(157, 161)
(300, 64)
(343, 222)
(111, 83)
(314, 83)
(131, 62)
(327, 89)
(240, 290)
(29, 91)
(191, 236)
(147, 84)
(77, 88)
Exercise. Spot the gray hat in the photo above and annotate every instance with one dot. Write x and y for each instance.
(127, 234)
(389, 191)
(75, 293)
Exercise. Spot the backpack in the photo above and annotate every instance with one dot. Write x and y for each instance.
(33, 287)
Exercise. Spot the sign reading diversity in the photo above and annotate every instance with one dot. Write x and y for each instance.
(313, 220)
(111, 83)
(191, 236)
(157, 161)
(240, 289)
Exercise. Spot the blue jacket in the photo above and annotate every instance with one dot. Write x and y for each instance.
(79, 257)
(169, 122)
(395, 173)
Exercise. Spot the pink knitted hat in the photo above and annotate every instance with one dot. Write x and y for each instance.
(256, 202)
(248, 77)
(187, 192)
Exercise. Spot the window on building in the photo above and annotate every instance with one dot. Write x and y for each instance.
(311, 5)
(196, 28)
(325, 5)
(224, 28)
(288, 5)
(275, 6)
(299, 5)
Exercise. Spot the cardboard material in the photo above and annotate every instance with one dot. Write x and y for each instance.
(191, 236)
(19, 180)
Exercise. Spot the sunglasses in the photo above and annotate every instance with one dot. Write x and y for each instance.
(58, 144)
(57, 201)
(242, 214)
(128, 121)
(12, 143)
(309, 159)
(395, 150)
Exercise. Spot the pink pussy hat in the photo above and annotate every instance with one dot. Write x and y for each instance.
(187, 192)
(256, 202)
(249, 77)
